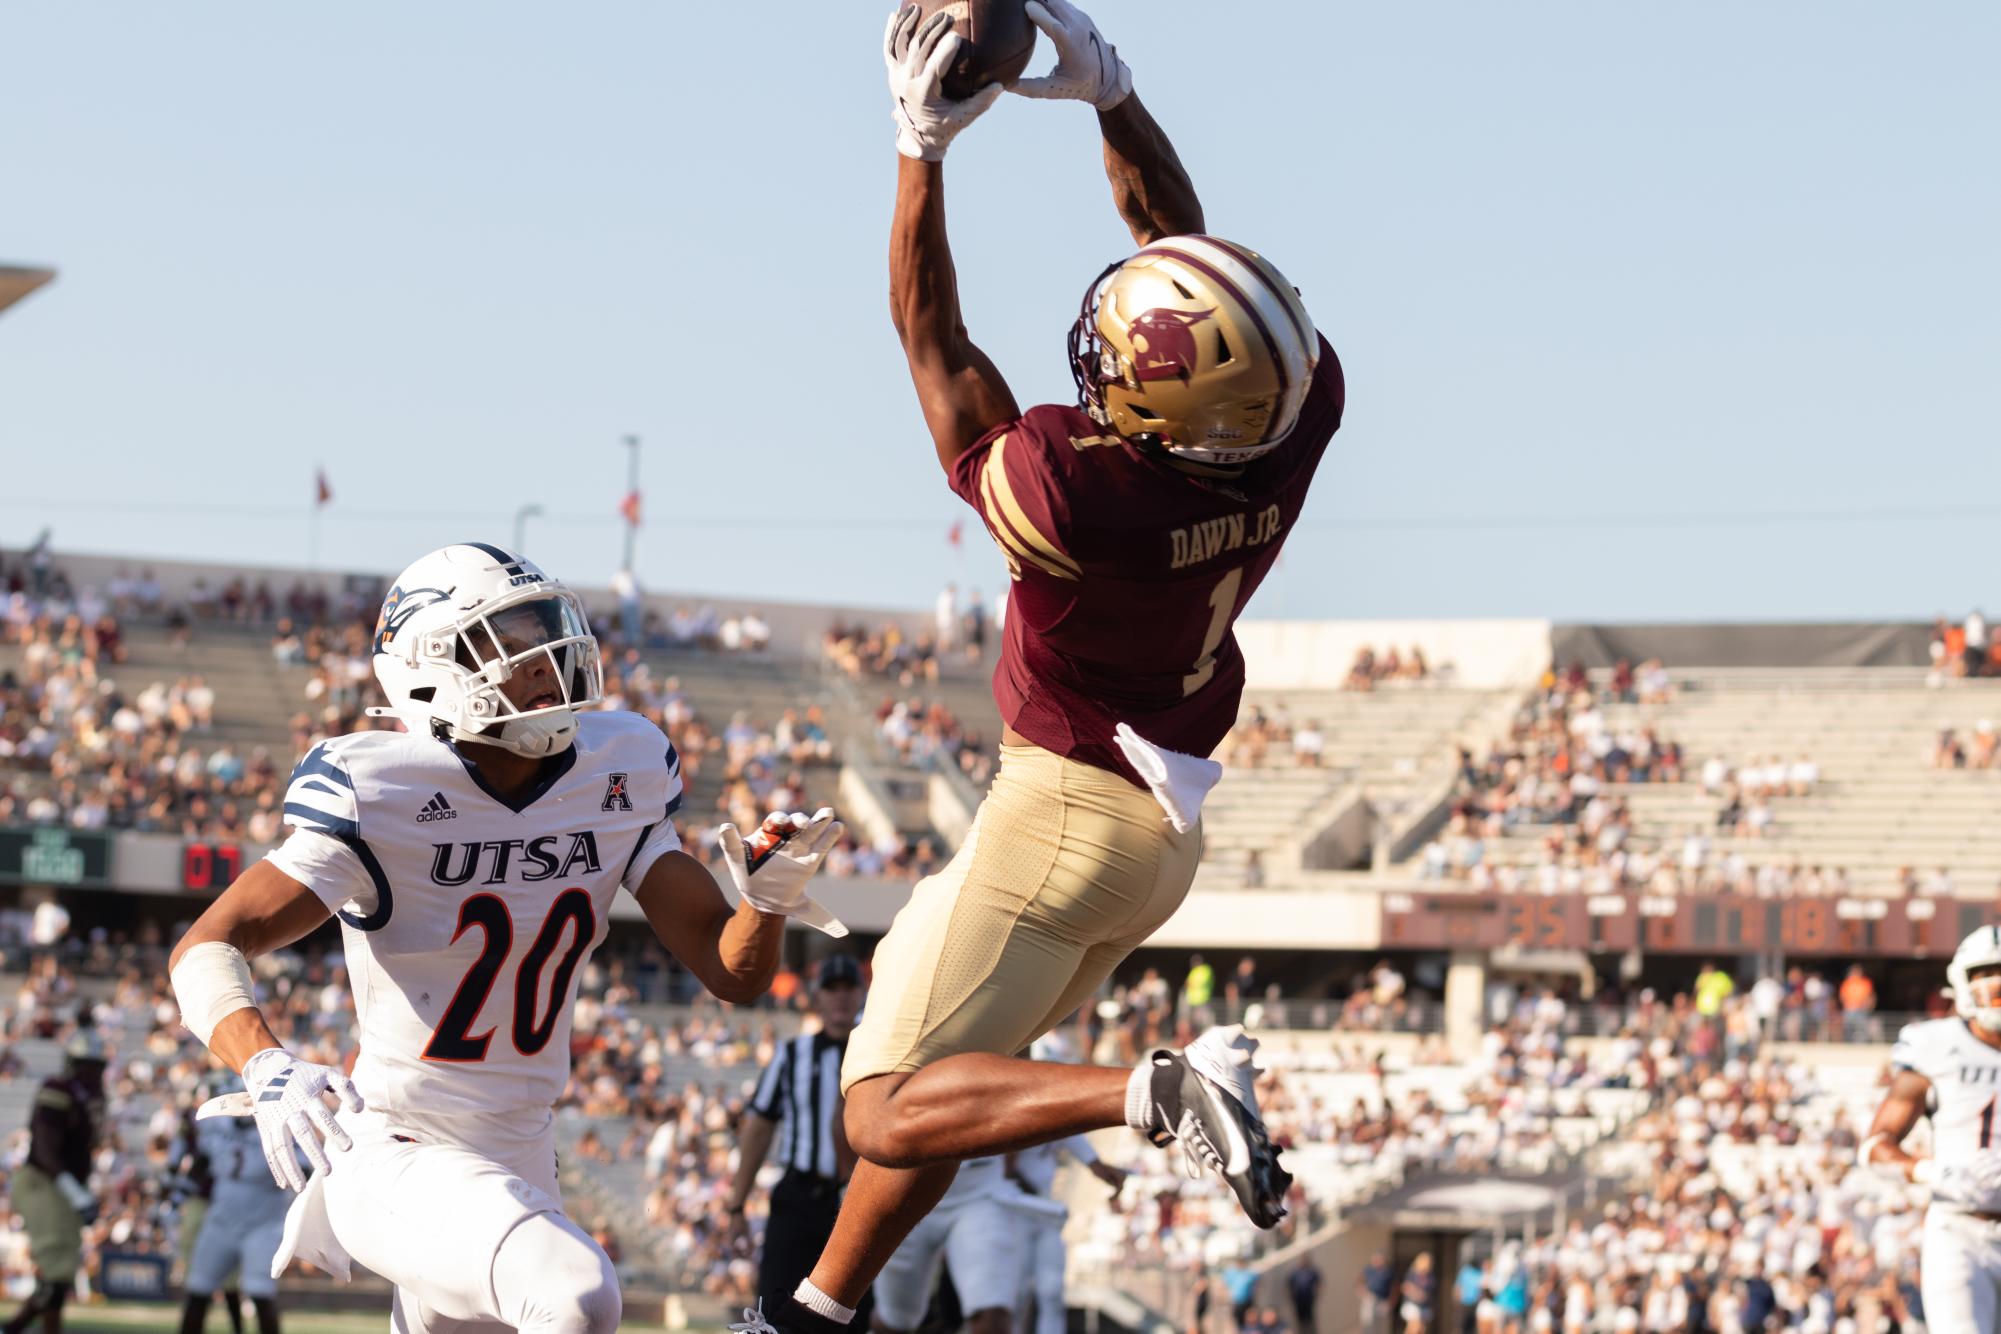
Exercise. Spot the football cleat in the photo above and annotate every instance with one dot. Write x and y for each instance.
(784, 1315)
(1205, 1101)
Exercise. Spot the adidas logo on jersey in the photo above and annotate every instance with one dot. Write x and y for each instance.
(437, 808)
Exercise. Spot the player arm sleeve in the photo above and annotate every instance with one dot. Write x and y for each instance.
(659, 838)
(1007, 476)
(1908, 1052)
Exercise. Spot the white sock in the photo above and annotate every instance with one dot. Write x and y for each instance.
(820, 1303)
(1141, 1114)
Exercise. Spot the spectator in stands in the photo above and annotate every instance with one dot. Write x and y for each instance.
(1374, 1290)
(1302, 1285)
(1858, 1004)
(1974, 653)
(1417, 1293)
(1308, 744)
(1200, 984)
(1949, 752)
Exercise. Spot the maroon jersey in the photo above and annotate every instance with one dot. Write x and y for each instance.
(1130, 573)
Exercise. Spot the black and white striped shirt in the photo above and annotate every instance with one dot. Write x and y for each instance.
(800, 1090)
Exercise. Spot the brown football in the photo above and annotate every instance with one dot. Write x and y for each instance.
(999, 42)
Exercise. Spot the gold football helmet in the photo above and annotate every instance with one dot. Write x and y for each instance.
(1198, 346)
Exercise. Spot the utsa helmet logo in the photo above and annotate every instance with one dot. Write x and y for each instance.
(1165, 343)
(399, 607)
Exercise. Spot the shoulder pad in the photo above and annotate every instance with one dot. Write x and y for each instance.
(54, 1097)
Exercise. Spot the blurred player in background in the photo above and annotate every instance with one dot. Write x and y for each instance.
(975, 1235)
(1045, 1262)
(48, 1190)
(189, 1189)
(1136, 525)
(472, 861)
(242, 1226)
(1950, 1070)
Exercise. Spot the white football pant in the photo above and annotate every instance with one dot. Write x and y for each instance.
(1960, 1273)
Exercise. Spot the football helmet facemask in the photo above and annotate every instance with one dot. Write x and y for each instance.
(1198, 346)
(462, 622)
(1977, 1000)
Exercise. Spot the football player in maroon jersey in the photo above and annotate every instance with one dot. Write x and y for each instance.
(1136, 525)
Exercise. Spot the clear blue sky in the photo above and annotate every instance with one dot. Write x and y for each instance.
(1700, 264)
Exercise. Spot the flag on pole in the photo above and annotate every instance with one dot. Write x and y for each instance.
(629, 507)
(322, 492)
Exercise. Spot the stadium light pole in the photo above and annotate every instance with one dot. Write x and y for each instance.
(521, 518)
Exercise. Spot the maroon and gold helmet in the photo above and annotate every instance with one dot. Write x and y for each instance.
(1197, 345)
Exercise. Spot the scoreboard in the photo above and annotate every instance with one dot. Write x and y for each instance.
(1692, 924)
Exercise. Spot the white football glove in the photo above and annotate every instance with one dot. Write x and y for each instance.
(926, 120)
(778, 885)
(1974, 1184)
(1088, 68)
(285, 1098)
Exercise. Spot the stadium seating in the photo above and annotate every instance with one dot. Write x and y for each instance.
(1879, 805)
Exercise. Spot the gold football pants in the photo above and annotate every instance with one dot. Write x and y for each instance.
(1066, 870)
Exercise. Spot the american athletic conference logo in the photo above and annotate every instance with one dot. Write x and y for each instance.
(614, 794)
(437, 808)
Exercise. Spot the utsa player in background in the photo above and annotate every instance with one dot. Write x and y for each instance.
(242, 1226)
(1950, 1071)
(472, 861)
(1136, 525)
(189, 1188)
(49, 1190)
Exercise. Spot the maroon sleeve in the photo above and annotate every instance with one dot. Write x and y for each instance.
(1010, 477)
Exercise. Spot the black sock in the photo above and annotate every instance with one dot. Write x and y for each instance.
(267, 1314)
(194, 1312)
(232, 1302)
(40, 1300)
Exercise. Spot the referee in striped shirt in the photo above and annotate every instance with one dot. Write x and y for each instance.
(798, 1105)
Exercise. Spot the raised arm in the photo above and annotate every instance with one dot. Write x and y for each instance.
(960, 390)
(1149, 185)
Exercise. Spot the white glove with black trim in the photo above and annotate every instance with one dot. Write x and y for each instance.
(1088, 68)
(792, 847)
(285, 1098)
(918, 55)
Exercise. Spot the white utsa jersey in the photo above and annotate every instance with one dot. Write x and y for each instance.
(1965, 1075)
(466, 916)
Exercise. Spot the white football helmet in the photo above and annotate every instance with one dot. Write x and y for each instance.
(463, 621)
(1977, 999)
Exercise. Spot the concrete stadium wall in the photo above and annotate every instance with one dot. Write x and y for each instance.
(1316, 655)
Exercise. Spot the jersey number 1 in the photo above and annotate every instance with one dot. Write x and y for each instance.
(454, 1039)
(1222, 602)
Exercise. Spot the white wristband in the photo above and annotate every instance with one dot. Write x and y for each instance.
(211, 982)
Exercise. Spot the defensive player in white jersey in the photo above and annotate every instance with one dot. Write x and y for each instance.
(978, 1237)
(1950, 1070)
(1044, 1260)
(471, 861)
(243, 1224)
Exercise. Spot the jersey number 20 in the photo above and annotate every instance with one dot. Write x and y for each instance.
(454, 1039)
